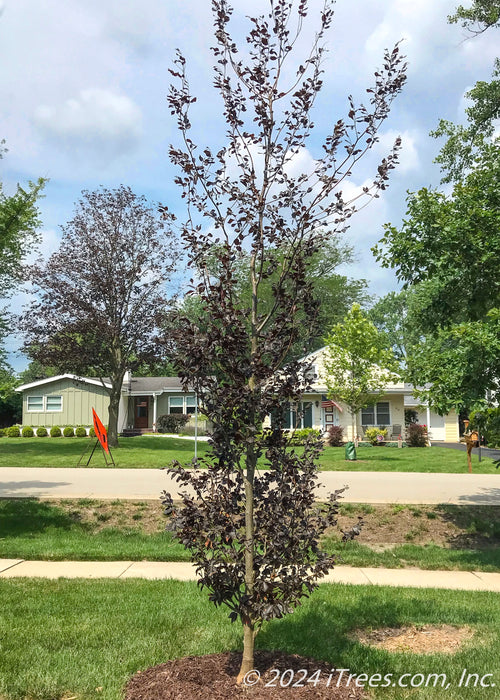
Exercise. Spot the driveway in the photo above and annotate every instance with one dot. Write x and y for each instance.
(485, 451)
(147, 484)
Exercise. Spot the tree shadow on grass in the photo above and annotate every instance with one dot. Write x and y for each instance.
(159, 444)
(479, 525)
(19, 516)
(322, 629)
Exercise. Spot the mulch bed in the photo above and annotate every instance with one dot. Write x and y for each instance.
(421, 639)
(213, 677)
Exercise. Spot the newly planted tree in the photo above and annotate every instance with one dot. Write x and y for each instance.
(102, 297)
(255, 536)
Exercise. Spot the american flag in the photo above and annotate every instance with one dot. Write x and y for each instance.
(329, 404)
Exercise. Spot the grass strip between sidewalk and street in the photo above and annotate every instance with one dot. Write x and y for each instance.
(393, 536)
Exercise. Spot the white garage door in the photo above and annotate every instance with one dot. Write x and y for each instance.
(437, 429)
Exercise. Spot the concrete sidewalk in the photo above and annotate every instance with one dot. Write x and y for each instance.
(183, 571)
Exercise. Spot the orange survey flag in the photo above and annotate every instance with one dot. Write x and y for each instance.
(100, 432)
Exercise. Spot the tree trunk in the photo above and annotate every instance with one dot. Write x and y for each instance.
(114, 405)
(247, 662)
(115, 395)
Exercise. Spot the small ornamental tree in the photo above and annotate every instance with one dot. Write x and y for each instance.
(357, 363)
(254, 537)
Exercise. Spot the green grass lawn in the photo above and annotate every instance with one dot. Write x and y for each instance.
(391, 459)
(86, 530)
(32, 529)
(146, 452)
(84, 640)
(151, 452)
(428, 556)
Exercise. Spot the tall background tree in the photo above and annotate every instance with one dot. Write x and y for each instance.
(19, 221)
(335, 292)
(256, 546)
(446, 255)
(102, 297)
(389, 315)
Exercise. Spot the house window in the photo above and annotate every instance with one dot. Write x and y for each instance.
(294, 416)
(176, 404)
(53, 403)
(45, 404)
(190, 404)
(376, 415)
(383, 413)
(35, 403)
(182, 404)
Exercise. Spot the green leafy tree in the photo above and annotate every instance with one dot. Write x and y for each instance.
(460, 364)
(446, 255)
(447, 249)
(19, 220)
(390, 316)
(358, 364)
(10, 400)
(465, 141)
(36, 371)
(478, 17)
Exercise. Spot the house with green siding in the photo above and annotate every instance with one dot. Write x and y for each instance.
(68, 399)
(64, 400)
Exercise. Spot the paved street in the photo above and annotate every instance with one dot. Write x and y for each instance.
(145, 484)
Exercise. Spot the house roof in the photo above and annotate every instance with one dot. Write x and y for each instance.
(134, 386)
(394, 387)
(150, 385)
(74, 377)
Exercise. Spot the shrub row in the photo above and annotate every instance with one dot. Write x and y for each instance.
(28, 431)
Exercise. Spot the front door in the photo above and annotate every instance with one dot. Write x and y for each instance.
(141, 406)
(330, 417)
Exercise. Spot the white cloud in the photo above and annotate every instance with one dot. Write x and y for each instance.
(420, 24)
(408, 155)
(384, 36)
(97, 117)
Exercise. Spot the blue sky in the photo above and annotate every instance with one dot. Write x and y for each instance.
(84, 87)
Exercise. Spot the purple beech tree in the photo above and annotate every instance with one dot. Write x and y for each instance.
(101, 298)
(254, 535)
